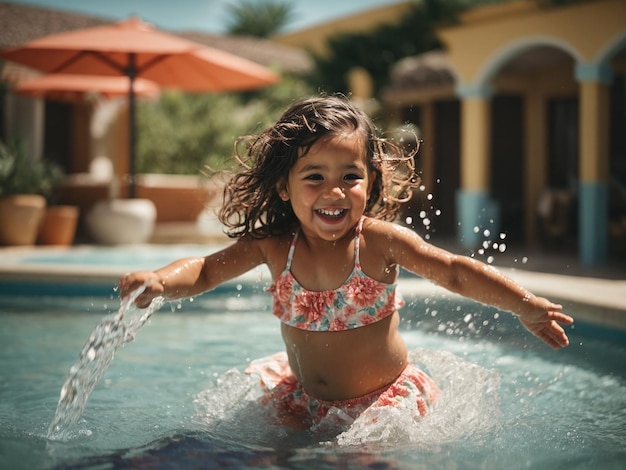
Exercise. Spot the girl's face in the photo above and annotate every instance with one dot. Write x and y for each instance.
(329, 186)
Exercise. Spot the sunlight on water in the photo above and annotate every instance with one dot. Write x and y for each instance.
(113, 331)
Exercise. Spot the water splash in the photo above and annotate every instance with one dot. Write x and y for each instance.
(468, 408)
(113, 331)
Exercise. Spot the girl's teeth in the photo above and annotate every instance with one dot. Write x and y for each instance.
(335, 213)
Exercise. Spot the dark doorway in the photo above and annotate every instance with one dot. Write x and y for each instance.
(563, 138)
(447, 167)
(617, 168)
(57, 131)
(507, 164)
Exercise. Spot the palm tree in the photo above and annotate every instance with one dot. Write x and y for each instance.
(259, 18)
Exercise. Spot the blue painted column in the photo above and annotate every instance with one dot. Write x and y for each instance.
(593, 212)
(477, 213)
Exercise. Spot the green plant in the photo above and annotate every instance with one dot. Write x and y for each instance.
(183, 133)
(20, 174)
(378, 50)
(259, 18)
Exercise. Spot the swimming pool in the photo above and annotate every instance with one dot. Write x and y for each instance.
(175, 397)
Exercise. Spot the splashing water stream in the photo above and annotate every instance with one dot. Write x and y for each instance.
(111, 333)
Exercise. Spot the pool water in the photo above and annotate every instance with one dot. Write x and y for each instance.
(147, 256)
(176, 397)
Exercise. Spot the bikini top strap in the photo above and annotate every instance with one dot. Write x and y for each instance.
(292, 248)
(357, 238)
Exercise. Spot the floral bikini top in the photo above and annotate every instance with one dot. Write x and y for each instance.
(360, 301)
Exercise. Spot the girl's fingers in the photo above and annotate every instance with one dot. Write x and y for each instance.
(561, 318)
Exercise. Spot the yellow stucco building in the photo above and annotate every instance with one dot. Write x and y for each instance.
(524, 118)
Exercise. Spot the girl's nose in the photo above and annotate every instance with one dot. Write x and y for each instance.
(336, 192)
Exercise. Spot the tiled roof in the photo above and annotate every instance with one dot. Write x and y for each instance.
(263, 51)
(430, 68)
(21, 23)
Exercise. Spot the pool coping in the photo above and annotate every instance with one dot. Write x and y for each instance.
(579, 295)
(606, 309)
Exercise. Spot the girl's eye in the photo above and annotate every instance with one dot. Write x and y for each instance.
(314, 177)
(353, 177)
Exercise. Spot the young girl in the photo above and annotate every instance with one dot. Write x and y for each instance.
(312, 203)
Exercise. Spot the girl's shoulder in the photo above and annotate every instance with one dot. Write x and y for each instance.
(383, 246)
(270, 243)
(391, 240)
(274, 249)
(382, 230)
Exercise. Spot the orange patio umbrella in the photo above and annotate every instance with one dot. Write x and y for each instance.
(65, 87)
(135, 49)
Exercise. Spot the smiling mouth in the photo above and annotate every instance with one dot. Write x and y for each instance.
(331, 213)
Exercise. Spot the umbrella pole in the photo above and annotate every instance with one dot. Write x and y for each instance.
(132, 72)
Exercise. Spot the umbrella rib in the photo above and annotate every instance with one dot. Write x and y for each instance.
(68, 62)
(109, 61)
(150, 63)
(63, 66)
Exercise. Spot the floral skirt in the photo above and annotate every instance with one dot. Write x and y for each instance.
(297, 408)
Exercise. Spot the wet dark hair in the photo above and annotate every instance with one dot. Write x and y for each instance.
(252, 205)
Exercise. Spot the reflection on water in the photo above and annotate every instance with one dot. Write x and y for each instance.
(176, 396)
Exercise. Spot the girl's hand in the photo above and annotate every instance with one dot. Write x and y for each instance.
(131, 281)
(543, 319)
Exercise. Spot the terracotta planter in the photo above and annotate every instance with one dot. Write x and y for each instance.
(58, 226)
(20, 218)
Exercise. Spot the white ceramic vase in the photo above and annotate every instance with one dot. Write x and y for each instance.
(122, 221)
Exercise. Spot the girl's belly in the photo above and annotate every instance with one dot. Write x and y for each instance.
(340, 365)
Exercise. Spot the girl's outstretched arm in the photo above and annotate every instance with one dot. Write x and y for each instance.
(476, 280)
(192, 276)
